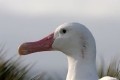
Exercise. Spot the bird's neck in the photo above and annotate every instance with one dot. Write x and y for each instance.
(80, 68)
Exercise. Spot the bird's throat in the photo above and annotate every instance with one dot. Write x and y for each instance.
(81, 69)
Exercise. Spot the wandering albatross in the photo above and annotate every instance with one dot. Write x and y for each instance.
(77, 43)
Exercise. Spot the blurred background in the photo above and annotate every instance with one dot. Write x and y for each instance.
(30, 20)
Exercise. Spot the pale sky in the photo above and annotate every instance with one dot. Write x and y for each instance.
(30, 20)
(71, 7)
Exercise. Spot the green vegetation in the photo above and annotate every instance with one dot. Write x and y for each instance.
(113, 68)
(13, 70)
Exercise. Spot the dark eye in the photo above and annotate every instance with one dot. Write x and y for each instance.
(64, 31)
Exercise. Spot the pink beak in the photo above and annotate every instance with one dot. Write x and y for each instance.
(44, 44)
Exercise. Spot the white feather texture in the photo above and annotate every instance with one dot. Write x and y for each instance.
(77, 42)
(108, 78)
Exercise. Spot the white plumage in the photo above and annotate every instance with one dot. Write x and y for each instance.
(108, 78)
(77, 43)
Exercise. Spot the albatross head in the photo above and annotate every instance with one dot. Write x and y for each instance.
(66, 38)
(74, 40)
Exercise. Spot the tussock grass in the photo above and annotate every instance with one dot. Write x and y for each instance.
(12, 70)
(112, 70)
